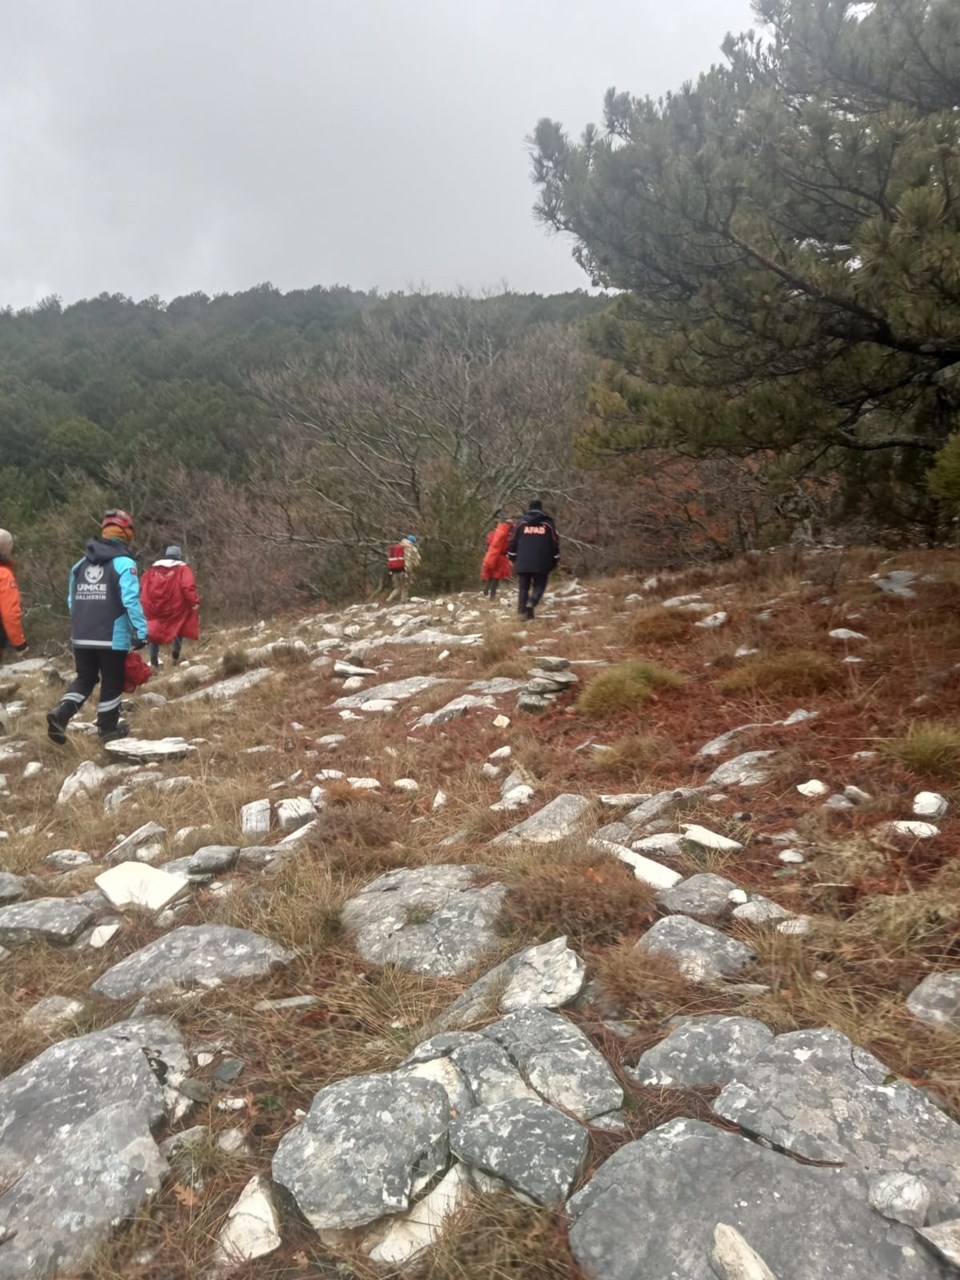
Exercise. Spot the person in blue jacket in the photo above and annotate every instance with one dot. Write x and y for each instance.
(106, 622)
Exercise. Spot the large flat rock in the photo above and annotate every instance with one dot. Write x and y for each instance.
(546, 976)
(365, 1143)
(561, 818)
(650, 1212)
(203, 955)
(227, 690)
(64, 1207)
(149, 750)
(427, 919)
(392, 691)
(56, 920)
(701, 1051)
(76, 1079)
(529, 1145)
(701, 953)
(818, 1095)
(936, 1000)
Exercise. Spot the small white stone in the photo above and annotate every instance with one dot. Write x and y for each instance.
(255, 818)
(813, 788)
(364, 784)
(501, 753)
(204, 1059)
(252, 1228)
(796, 927)
(515, 798)
(501, 722)
(330, 775)
(929, 804)
(713, 621)
(408, 786)
(857, 795)
(707, 839)
(102, 934)
(852, 661)
(33, 769)
(901, 1196)
(439, 800)
(911, 830)
(294, 812)
(490, 771)
(791, 856)
(844, 633)
(626, 800)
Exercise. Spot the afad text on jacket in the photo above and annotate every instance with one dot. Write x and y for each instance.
(104, 598)
(534, 544)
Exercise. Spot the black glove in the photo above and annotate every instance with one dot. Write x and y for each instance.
(137, 643)
(23, 648)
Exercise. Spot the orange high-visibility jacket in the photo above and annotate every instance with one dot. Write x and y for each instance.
(11, 611)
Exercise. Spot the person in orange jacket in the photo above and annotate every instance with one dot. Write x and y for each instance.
(11, 610)
(495, 565)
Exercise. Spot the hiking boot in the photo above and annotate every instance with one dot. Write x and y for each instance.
(155, 667)
(114, 735)
(529, 613)
(57, 725)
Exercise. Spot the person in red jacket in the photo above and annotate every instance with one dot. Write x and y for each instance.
(168, 593)
(11, 610)
(495, 565)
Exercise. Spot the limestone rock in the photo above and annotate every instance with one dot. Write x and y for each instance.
(704, 896)
(255, 818)
(702, 954)
(136, 884)
(392, 691)
(146, 750)
(86, 779)
(930, 804)
(555, 821)
(11, 887)
(945, 1238)
(433, 920)
(703, 838)
(734, 1259)
(813, 788)
(365, 1143)
(252, 1228)
(143, 845)
(294, 812)
(547, 976)
(453, 710)
(54, 920)
(559, 1062)
(818, 1095)
(65, 859)
(658, 804)
(65, 1203)
(652, 1209)
(936, 999)
(529, 1145)
(701, 1051)
(645, 869)
(741, 771)
(54, 1011)
(906, 829)
(227, 690)
(193, 955)
(897, 583)
(902, 1197)
(409, 1235)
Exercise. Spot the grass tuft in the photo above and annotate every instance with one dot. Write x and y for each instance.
(625, 686)
(796, 672)
(930, 749)
(235, 662)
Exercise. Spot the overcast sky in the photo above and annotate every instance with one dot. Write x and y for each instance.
(165, 146)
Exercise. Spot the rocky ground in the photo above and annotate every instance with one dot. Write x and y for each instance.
(620, 944)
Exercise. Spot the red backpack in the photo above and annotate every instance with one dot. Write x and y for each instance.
(396, 560)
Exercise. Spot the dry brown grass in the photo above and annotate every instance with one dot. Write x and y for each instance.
(797, 672)
(660, 626)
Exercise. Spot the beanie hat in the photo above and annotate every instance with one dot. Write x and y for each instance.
(411, 537)
(173, 553)
(6, 542)
(536, 505)
(113, 533)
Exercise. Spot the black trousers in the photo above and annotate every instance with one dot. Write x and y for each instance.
(103, 666)
(532, 587)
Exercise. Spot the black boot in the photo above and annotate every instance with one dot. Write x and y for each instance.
(529, 613)
(121, 730)
(57, 722)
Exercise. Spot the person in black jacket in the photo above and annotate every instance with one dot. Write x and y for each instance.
(534, 551)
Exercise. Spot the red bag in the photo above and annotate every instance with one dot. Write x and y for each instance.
(396, 558)
(135, 672)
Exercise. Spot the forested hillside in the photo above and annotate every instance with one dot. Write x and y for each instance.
(283, 437)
